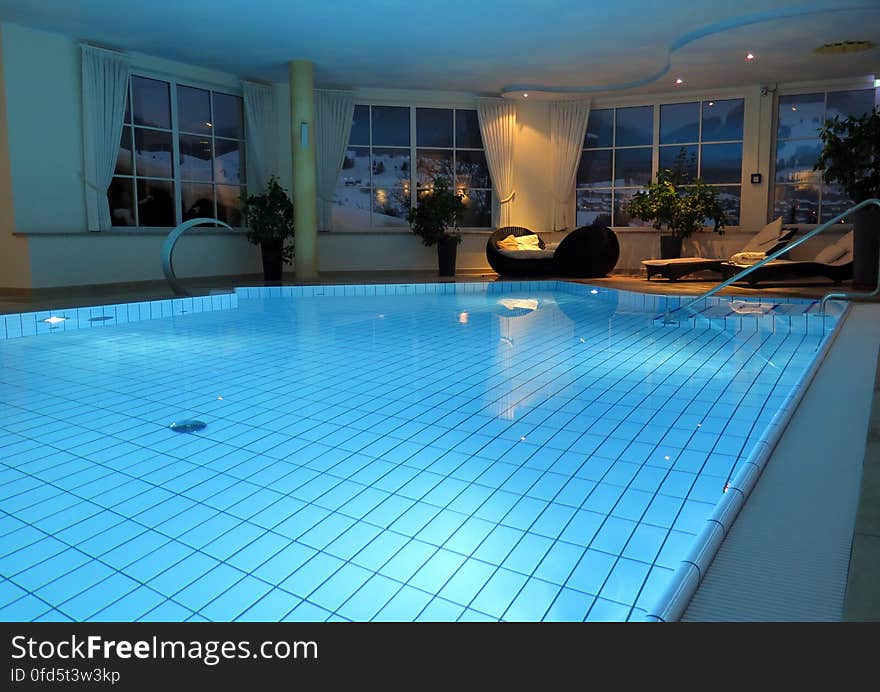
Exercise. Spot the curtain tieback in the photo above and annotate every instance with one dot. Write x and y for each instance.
(508, 198)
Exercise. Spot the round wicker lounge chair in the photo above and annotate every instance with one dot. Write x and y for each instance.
(586, 252)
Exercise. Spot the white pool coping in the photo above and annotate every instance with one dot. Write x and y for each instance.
(670, 606)
(786, 558)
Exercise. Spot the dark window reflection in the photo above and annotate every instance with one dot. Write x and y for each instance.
(390, 126)
(600, 128)
(121, 198)
(723, 120)
(679, 122)
(434, 127)
(155, 202)
(152, 104)
(228, 119)
(467, 129)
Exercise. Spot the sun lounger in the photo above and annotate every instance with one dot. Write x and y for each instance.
(834, 262)
(769, 239)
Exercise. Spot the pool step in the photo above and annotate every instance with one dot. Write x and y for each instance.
(756, 316)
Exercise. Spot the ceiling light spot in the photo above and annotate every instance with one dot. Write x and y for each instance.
(679, 80)
(525, 95)
(794, 108)
(750, 56)
(711, 103)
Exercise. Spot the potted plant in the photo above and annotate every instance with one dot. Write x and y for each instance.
(438, 210)
(851, 158)
(678, 207)
(269, 219)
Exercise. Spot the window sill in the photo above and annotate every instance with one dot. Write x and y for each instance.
(129, 232)
(401, 231)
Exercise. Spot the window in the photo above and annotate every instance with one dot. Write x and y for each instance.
(374, 188)
(800, 196)
(624, 149)
(181, 162)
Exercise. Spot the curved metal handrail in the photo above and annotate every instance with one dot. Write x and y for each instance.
(168, 249)
(775, 255)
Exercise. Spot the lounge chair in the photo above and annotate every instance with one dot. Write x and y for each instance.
(586, 252)
(769, 239)
(834, 262)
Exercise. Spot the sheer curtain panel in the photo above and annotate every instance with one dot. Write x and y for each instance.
(105, 76)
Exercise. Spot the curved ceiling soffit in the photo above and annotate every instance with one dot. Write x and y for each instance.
(688, 38)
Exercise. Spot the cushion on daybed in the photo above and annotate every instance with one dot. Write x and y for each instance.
(537, 253)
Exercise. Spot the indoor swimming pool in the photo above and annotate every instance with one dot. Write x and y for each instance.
(507, 451)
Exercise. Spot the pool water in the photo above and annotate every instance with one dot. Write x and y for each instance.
(544, 452)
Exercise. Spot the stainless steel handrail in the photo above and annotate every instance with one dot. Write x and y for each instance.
(168, 249)
(775, 255)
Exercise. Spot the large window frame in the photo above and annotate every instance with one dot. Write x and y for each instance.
(830, 200)
(411, 152)
(177, 178)
(618, 194)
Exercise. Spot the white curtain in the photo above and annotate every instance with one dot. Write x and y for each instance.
(498, 127)
(334, 112)
(104, 88)
(260, 131)
(568, 125)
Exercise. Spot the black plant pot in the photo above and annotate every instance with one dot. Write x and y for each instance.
(670, 247)
(446, 250)
(273, 259)
(866, 246)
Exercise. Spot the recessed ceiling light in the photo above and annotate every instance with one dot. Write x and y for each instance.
(843, 47)
(794, 108)
(525, 95)
(750, 56)
(711, 103)
(679, 80)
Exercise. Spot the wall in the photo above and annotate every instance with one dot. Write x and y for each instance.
(43, 199)
(43, 110)
(14, 261)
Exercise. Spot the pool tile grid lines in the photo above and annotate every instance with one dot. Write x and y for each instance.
(675, 598)
(534, 586)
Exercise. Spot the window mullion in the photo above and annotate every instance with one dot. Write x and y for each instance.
(175, 155)
(413, 180)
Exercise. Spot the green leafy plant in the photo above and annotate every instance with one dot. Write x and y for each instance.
(851, 154)
(269, 218)
(677, 205)
(437, 211)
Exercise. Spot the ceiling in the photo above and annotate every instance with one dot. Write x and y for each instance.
(485, 46)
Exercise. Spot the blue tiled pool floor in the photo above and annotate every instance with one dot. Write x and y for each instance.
(431, 457)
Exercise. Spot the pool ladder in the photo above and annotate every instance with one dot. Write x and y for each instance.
(667, 316)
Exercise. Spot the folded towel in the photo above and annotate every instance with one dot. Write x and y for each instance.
(747, 257)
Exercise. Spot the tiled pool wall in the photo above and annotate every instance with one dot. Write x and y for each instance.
(798, 315)
(70, 319)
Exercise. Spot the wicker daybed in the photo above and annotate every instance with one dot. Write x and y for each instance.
(585, 252)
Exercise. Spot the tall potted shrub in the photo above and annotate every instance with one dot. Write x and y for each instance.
(269, 219)
(677, 208)
(851, 158)
(439, 210)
